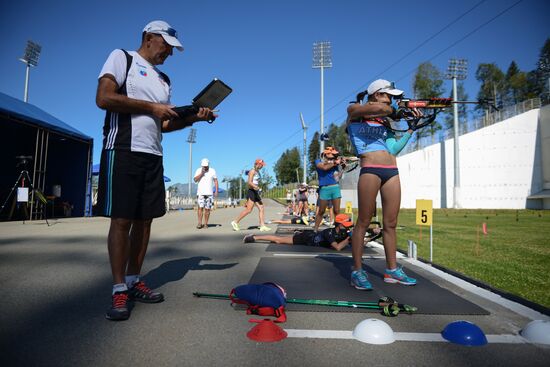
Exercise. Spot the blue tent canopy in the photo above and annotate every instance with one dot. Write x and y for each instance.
(29, 113)
(60, 156)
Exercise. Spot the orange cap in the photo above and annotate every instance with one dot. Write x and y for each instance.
(344, 220)
(259, 161)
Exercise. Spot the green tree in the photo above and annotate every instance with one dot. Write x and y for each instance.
(428, 82)
(313, 153)
(338, 139)
(267, 180)
(493, 84)
(542, 74)
(534, 89)
(511, 88)
(236, 183)
(520, 85)
(448, 120)
(286, 166)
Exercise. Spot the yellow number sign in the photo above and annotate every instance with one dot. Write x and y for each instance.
(349, 209)
(423, 212)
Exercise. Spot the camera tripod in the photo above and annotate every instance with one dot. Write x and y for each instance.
(25, 175)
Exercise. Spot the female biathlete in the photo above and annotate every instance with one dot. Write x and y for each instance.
(329, 189)
(303, 207)
(377, 147)
(253, 197)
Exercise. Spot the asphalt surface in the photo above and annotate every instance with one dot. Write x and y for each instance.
(56, 287)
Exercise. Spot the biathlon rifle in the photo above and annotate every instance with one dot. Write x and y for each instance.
(439, 103)
(435, 104)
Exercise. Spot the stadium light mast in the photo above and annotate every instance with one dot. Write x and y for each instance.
(32, 53)
(191, 139)
(304, 127)
(322, 59)
(457, 69)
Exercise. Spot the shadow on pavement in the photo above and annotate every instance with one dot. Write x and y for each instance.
(174, 270)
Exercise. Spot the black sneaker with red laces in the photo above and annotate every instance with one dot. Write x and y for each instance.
(119, 309)
(141, 293)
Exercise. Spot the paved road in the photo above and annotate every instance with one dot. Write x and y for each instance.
(56, 288)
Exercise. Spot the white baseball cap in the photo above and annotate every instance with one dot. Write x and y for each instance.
(383, 86)
(166, 31)
(205, 162)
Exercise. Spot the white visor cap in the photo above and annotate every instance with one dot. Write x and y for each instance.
(166, 31)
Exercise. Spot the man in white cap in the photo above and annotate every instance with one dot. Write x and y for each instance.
(207, 189)
(136, 97)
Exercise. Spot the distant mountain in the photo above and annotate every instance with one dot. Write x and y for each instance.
(180, 189)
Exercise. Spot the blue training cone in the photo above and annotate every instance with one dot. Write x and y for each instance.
(464, 333)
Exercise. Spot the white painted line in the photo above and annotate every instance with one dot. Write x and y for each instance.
(419, 337)
(399, 336)
(319, 334)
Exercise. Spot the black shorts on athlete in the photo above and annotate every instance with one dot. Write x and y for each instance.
(131, 185)
(254, 196)
(322, 238)
(303, 238)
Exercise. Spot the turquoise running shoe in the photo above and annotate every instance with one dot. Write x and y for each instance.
(398, 276)
(359, 280)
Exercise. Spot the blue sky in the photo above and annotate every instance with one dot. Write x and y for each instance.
(263, 50)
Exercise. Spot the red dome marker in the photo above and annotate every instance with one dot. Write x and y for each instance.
(267, 331)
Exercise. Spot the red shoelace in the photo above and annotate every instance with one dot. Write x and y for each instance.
(120, 300)
(142, 287)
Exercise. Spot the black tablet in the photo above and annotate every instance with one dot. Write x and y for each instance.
(212, 95)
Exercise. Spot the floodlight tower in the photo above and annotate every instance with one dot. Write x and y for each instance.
(191, 140)
(457, 69)
(32, 53)
(304, 127)
(322, 59)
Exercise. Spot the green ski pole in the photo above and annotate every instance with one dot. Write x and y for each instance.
(386, 304)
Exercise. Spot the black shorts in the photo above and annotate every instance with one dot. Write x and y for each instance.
(296, 220)
(131, 185)
(254, 196)
(384, 173)
(303, 238)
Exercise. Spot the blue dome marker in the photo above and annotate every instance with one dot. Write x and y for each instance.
(464, 333)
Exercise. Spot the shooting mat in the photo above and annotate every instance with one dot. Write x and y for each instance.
(327, 277)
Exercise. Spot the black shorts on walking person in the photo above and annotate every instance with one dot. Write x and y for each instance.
(131, 185)
(254, 196)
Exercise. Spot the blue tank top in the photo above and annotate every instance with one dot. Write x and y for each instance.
(368, 136)
(326, 177)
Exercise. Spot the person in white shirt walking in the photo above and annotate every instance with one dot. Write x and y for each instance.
(207, 190)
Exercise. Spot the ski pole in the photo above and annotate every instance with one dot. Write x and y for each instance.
(382, 303)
